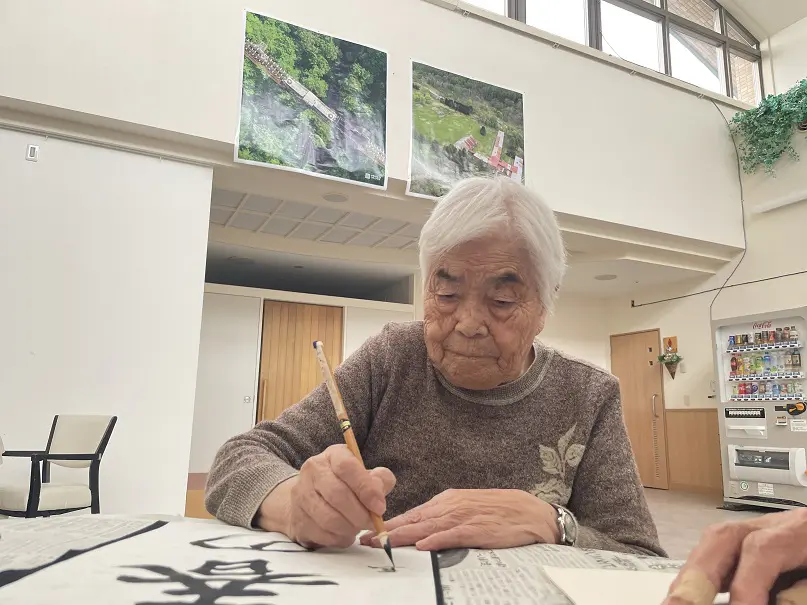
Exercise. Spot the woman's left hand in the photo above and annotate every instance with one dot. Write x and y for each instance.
(474, 518)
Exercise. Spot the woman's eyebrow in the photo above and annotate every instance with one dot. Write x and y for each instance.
(508, 278)
(445, 275)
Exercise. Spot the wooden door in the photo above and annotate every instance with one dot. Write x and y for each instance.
(634, 360)
(289, 369)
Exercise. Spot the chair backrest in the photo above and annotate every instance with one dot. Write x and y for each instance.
(79, 434)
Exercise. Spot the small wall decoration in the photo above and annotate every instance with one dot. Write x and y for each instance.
(462, 127)
(670, 358)
(312, 103)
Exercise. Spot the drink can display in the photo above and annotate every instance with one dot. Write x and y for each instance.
(735, 391)
(764, 336)
(745, 339)
(732, 340)
(762, 388)
(738, 339)
(754, 388)
(771, 337)
(775, 389)
(757, 338)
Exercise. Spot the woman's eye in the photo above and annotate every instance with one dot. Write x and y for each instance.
(503, 304)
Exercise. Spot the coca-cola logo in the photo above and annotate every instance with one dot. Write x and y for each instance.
(762, 325)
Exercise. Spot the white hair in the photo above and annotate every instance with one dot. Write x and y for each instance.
(477, 207)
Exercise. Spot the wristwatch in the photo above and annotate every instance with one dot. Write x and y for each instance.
(567, 525)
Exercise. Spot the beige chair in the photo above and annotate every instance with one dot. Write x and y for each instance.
(74, 442)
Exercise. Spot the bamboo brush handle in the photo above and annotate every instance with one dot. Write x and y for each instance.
(344, 421)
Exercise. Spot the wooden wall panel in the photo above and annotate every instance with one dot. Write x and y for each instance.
(693, 446)
(289, 368)
(195, 504)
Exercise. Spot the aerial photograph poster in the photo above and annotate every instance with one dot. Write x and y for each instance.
(462, 127)
(312, 103)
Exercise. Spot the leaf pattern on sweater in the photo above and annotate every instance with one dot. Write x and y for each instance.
(554, 463)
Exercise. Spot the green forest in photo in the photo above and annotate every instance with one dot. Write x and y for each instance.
(281, 125)
(446, 108)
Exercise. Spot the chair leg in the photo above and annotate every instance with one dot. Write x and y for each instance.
(34, 489)
(95, 502)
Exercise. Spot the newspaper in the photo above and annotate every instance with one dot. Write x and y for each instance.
(31, 543)
(516, 576)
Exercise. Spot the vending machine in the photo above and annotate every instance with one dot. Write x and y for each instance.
(762, 414)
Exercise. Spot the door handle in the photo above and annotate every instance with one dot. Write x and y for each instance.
(654, 406)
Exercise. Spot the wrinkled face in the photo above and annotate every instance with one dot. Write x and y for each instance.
(482, 312)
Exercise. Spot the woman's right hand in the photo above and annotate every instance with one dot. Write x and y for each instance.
(745, 559)
(327, 504)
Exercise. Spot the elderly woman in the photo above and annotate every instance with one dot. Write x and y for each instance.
(477, 435)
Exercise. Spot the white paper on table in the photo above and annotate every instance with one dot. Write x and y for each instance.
(185, 560)
(614, 587)
(30, 543)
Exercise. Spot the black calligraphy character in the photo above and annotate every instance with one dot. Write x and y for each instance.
(219, 579)
(247, 542)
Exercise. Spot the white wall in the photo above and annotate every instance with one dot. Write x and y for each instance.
(226, 383)
(102, 258)
(599, 142)
(579, 327)
(788, 52)
(774, 249)
(361, 324)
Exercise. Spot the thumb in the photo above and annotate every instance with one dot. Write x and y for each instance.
(386, 477)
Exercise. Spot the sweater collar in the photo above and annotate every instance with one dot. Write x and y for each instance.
(511, 392)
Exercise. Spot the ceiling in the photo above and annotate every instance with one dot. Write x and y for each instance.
(303, 221)
(766, 17)
(632, 275)
(272, 270)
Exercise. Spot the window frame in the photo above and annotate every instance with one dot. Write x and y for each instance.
(517, 9)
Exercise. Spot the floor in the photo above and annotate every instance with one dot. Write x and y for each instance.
(681, 518)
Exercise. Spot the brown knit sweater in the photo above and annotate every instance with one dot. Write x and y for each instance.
(556, 432)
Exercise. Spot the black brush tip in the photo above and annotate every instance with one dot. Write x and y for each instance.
(388, 550)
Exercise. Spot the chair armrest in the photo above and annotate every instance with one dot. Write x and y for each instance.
(33, 454)
(58, 457)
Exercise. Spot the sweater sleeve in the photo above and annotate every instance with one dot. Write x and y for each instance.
(249, 466)
(607, 496)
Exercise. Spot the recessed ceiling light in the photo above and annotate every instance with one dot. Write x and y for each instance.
(605, 277)
(240, 260)
(336, 198)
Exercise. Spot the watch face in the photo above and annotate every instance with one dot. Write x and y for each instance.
(569, 527)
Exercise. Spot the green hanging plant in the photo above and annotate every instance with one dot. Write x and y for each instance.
(765, 133)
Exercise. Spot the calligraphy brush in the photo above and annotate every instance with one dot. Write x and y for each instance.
(350, 438)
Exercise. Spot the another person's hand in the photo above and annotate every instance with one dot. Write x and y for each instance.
(745, 559)
(327, 504)
(474, 518)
